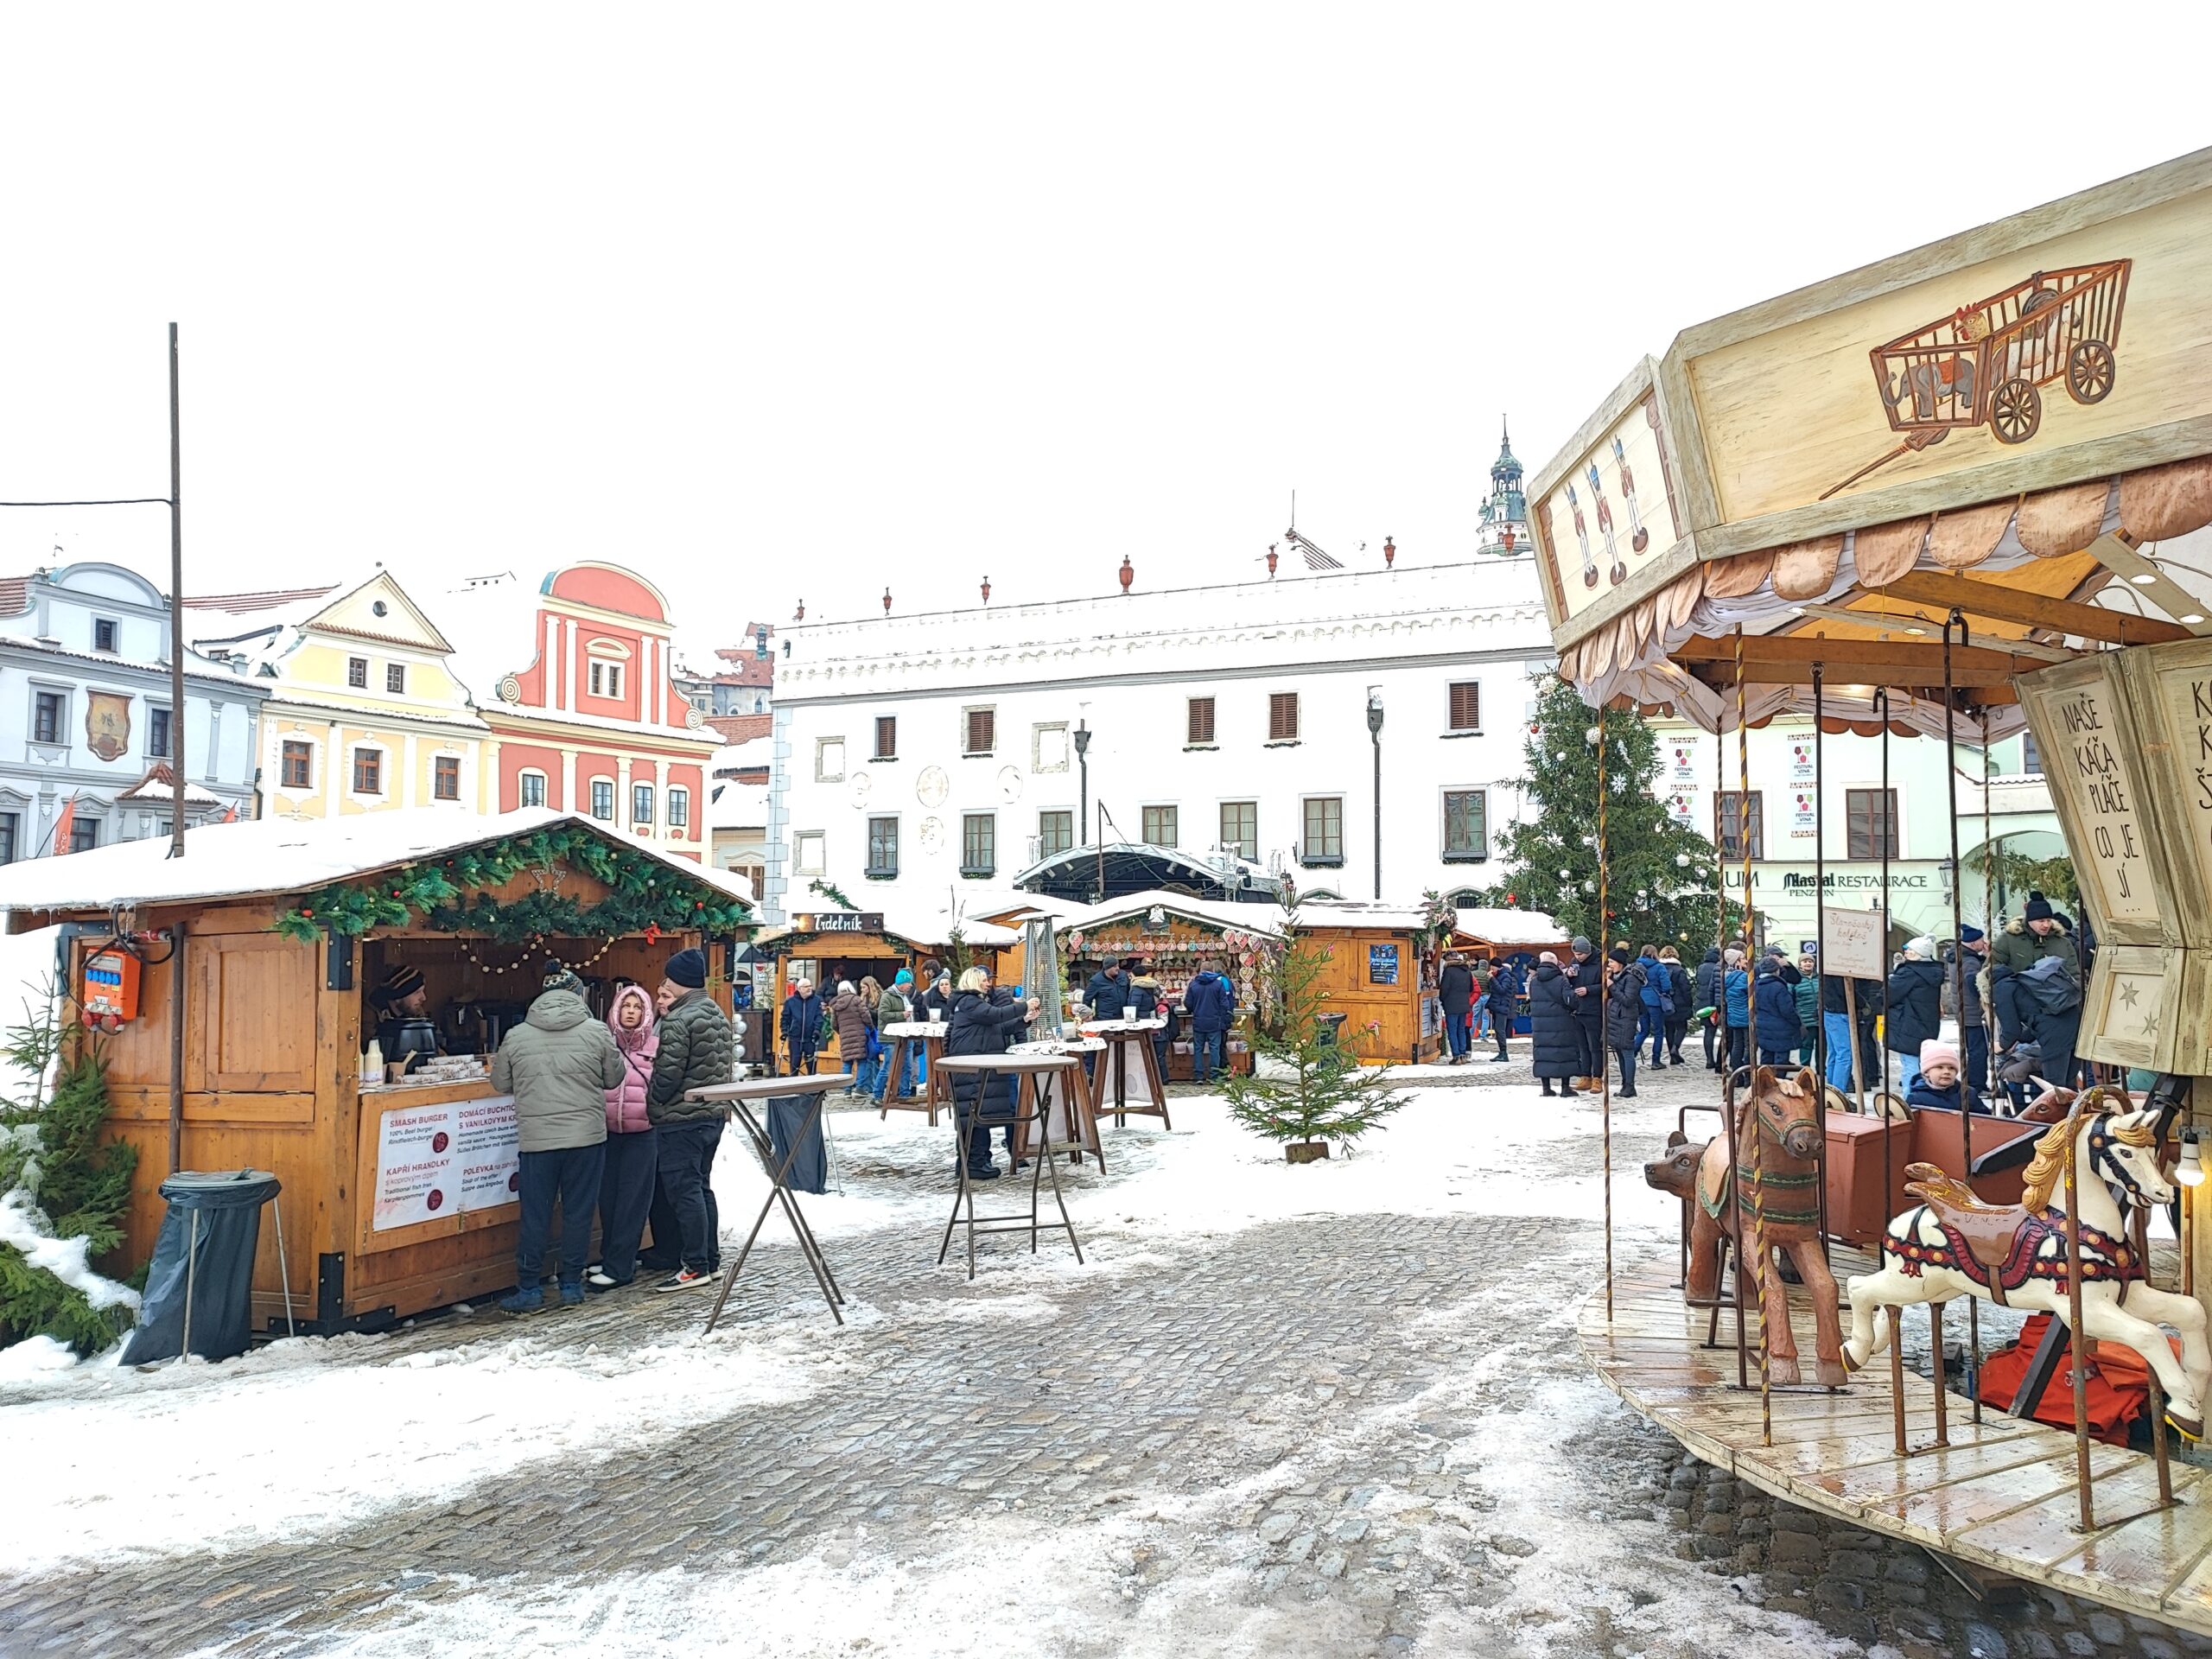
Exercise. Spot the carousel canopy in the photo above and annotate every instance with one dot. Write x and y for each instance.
(1818, 483)
(1216, 914)
(1132, 866)
(267, 856)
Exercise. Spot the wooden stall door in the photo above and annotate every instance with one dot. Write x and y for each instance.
(239, 981)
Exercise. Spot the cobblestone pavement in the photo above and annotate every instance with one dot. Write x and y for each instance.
(1332, 1435)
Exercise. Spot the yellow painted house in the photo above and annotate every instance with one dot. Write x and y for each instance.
(366, 713)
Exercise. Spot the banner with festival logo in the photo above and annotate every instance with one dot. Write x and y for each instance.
(1804, 823)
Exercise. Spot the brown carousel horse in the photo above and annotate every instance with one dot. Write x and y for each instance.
(1786, 1173)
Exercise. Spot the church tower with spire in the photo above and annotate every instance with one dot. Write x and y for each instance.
(1504, 527)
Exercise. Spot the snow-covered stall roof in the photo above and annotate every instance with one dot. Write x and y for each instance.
(1209, 912)
(282, 855)
(1510, 926)
(914, 924)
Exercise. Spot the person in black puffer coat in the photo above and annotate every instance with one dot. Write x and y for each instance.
(1624, 1013)
(1557, 1034)
(1708, 995)
(981, 1025)
(1912, 1007)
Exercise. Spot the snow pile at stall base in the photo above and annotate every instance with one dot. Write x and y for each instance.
(23, 1227)
(35, 1356)
(303, 1437)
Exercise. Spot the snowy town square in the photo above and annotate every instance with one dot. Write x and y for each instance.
(1154, 832)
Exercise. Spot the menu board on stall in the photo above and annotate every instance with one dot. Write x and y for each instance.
(2087, 737)
(1853, 944)
(1382, 964)
(417, 1165)
(491, 1170)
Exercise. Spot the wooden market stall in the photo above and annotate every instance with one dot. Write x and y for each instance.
(1176, 933)
(398, 1196)
(1382, 961)
(1959, 493)
(826, 946)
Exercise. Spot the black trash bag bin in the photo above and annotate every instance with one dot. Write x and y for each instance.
(217, 1217)
(1329, 1028)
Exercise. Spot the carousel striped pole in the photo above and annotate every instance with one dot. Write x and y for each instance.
(1605, 1067)
(1761, 1265)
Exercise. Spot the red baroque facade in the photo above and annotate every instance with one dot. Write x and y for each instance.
(584, 716)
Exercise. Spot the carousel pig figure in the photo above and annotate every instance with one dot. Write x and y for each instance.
(1786, 1172)
(1953, 1244)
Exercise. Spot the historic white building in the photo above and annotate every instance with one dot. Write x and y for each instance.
(87, 725)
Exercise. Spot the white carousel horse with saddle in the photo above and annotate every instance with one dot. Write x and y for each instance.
(2015, 1256)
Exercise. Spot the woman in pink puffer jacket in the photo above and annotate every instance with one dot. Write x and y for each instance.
(625, 1190)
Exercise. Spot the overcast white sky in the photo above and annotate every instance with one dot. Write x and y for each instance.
(803, 301)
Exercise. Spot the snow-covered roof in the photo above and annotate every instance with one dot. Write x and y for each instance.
(282, 855)
(1140, 859)
(1212, 912)
(160, 784)
(917, 925)
(1510, 926)
(1359, 912)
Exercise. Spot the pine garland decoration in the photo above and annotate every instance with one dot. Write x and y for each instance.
(644, 893)
(74, 1184)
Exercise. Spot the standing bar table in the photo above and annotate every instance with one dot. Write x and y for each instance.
(738, 1099)
(1078, 1110)
(908, 1037)
(1032, 1071)
(1121, 1036)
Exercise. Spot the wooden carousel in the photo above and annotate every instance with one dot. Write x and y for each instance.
(1829, 505)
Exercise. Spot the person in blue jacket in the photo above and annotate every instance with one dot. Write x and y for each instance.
(1736, 1007)
(1774, 1015)
(1659, 997)
(1211, 1006)
(1108, 993)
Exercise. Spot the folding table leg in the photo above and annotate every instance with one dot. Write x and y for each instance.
(960, 1191)
(1059, 1199)
(779, 1190)
(1149, 1059)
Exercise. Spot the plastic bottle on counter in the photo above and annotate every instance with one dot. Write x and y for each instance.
(373, 1062)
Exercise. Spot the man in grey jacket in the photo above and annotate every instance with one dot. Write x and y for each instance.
(558, 1064)
(697, 1050)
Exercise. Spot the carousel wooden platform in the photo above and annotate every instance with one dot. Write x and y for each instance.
(2001, 1496)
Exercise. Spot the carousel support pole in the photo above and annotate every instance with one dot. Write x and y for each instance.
(1956, 619)
(1742, 1257)
(1897, 1377)
(2075, 1342)
(1762, 1263)
(1820, 949)
(1935, 1350)
(1605, 1070)
(2158, 1400)
(1889, 830)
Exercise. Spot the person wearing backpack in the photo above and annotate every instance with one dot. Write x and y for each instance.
(2035, 936)
(1658, 1004)
(1704, 1002)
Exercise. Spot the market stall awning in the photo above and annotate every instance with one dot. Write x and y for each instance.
(1123, 867)
(266, 856)
(2014, 423)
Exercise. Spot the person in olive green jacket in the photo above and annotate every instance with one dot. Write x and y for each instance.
(2034, 934)
(558, 1064)
(697, 1050)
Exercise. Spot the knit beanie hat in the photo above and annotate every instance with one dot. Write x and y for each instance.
(1922, 946)
(1620, 954)
(1581, 944)
(401, 981)
(688, 968)
(902, 977)
(2039, 908)
(558, 976)
(1934, 1051)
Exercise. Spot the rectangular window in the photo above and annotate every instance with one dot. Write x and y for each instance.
(1729, 830)
(2031, 753)
(807, 852)
(605, 678)
(979, 731)
(395, 678)
(829, 759)
(1049, 747)
(445, 777)
(641, 803)
(979, 843)
(157, 733)
(47, 716)
(298, 764)
(602, 799)
(104, 634)
(1055, 833)
(1282, 717)
(357, 673)
(1865, 821)
(1240, 828)
(10, 823)
(1160, 826)
(1198, 722)
(679, 807)
(1324, 831)
(1466, 825)
(368, 772)
(1465, 712)
(84, 834)
(886, 737)
(883, 847)
(533, 789)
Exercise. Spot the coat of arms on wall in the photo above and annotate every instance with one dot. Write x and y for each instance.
(107, 724)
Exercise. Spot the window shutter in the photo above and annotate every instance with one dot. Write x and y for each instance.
(887, 736)
(1282, 716)
(980, 731)
(1201, 721)
(1466, 711)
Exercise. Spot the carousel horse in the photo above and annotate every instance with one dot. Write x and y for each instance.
(1780, 1110)
(2015, 1256)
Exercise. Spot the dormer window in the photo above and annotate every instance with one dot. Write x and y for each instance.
(606, 679)
(104, 634)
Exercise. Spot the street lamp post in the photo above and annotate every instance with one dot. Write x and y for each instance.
(1083, 765)
(1374, 736)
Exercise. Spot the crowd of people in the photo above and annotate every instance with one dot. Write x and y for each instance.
(2016, 1000)
(604, 1129)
